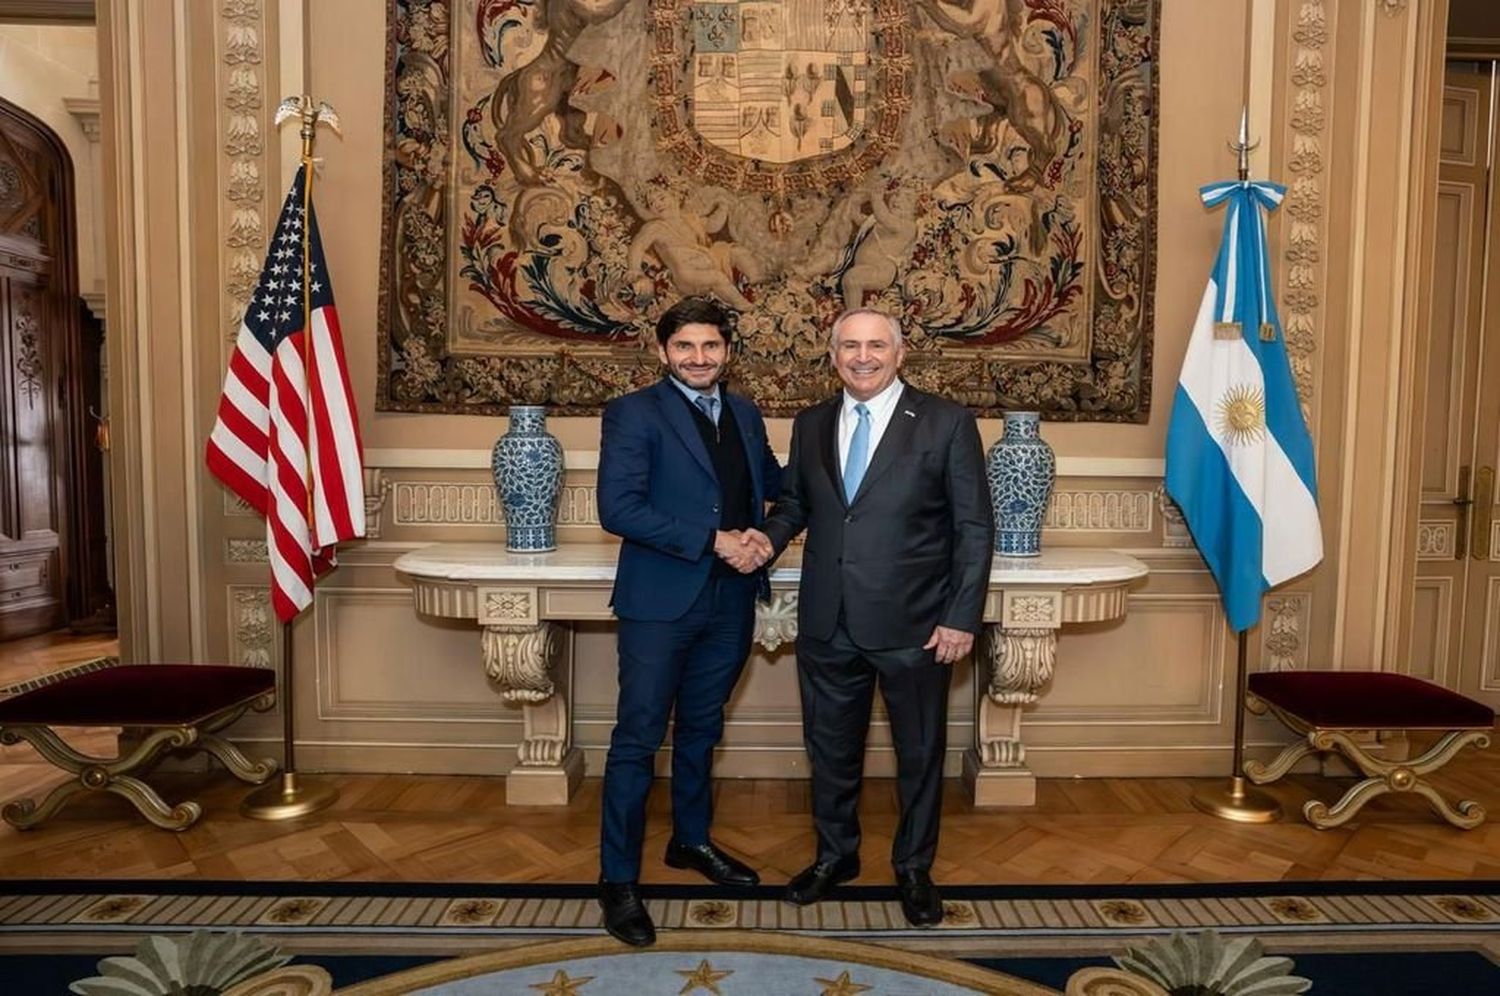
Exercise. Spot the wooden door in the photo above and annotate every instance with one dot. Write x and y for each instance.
(38, 345)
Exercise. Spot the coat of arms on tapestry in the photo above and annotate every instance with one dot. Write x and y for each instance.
(561, 171)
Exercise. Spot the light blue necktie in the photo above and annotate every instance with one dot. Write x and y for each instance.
(859, 453)
(708, 405)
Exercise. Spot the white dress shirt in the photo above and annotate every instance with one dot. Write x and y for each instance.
(882, 407)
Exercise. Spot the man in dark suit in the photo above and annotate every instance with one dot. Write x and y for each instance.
(889, 483)
(684, 466)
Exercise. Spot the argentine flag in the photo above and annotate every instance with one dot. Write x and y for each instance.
(1239, 456)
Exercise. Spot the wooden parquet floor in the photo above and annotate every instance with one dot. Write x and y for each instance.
(458, 829)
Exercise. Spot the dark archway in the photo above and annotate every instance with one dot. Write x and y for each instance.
(53, 559)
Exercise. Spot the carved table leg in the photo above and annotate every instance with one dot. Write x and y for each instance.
(776, 621)
(1021, 652)
(518, 659)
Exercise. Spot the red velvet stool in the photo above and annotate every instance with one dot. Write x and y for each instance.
(160, 707)
(1328, 707)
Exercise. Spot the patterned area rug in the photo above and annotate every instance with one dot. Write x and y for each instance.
(1367, 938)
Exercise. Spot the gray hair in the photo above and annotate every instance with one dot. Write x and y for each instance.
(838, 324)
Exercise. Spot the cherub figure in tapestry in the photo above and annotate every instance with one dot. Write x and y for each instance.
(680, 233)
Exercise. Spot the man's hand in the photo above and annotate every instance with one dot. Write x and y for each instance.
(735, 550)
(950, 644)
(758, 542)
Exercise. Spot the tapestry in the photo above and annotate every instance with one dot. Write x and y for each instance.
(559, 172)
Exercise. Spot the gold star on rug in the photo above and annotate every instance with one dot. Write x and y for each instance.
(702, 977)
(561, 985)
(841, 986)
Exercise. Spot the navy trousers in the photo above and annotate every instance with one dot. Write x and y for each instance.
(689, 667)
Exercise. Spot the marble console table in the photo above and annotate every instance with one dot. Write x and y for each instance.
(524, 602)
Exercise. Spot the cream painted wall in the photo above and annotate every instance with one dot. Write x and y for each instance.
(1202, 55)
(40, 67)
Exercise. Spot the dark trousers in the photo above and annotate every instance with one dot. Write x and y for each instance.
(837, 680)
(690, 666)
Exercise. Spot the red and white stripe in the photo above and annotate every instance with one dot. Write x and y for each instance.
(267, 450)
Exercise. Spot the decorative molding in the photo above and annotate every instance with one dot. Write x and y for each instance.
(405, 458)
(345, 695)
(475, 503)
(1124, 511)
(246, 551)
(1021, 662)
(1282, 643)
(518, 660)
(1435, 540)
(507, 607)
(85, 111)
(1174, 530)
(241, 82)
(236, 507)
(1489, 654)
(97, 305)
(776, 621)
(377, 491)
(1196, 626)
(1438, 658)
(252, 625)
(28, 359)
(24, 262)
(1306, 195)
(1392, 7)
(1029, 610)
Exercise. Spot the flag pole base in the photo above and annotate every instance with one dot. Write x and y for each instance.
(1238, 802)
(292, 797)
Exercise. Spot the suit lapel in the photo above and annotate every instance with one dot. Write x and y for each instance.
(752, 452)
(681, 421)
(828, 434)
(895, 440)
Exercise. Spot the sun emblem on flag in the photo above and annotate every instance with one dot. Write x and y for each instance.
(1241, 415)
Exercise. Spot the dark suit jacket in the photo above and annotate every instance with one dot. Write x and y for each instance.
(912, 551)
(658, 491)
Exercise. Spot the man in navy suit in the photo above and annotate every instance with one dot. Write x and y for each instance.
(684, 467)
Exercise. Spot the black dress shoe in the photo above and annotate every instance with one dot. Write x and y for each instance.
(817, 880)
(625, 916)
(710, 862)
(919, 898)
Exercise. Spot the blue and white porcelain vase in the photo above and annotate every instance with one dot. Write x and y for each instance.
(1021, 468)
(528, 467)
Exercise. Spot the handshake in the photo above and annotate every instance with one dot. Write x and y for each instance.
(745, 550)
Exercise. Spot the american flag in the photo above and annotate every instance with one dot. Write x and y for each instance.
(285, 427)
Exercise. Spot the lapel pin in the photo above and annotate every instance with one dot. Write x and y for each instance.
(908, 413)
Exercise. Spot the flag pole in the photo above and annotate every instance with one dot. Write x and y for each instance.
(1239, 801)
(294, 796)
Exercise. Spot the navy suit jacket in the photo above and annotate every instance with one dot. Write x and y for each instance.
(659, 493)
